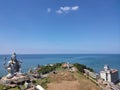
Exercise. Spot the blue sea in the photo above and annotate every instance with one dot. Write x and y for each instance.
(95, 61)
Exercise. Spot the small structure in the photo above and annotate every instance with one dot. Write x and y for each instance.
(110, 75)
(73, 69)
(66, 65)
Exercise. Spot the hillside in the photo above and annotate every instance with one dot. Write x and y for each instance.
(59, 76)
(66, 80)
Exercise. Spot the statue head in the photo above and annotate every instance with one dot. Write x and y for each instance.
(13, 56)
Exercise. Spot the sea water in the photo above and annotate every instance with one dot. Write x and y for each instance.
(95, 61)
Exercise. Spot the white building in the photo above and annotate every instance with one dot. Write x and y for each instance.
(110, 75)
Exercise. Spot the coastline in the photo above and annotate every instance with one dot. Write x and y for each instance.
(93, 61)
(72, 75)
(53, 76)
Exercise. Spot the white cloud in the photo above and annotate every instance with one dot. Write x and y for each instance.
(59, 11)
(49, 10)
(74, 8)
(67, 9)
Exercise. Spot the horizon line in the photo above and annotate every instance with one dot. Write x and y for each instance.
(53, 53)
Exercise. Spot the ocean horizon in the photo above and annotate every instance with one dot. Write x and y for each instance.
(95, 61)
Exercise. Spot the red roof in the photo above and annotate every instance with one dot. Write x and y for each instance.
(114, 70)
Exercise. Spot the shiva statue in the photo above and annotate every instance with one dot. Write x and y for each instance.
(13, 67)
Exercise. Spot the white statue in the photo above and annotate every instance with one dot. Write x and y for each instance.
(13, 67)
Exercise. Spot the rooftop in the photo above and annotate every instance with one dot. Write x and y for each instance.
(114, 70)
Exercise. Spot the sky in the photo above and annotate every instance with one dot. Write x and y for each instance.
(59, 26)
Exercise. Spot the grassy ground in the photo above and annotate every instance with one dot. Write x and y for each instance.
(70, 81)
(43, 82)
(2, 87)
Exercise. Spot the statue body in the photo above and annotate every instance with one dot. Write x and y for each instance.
(13, 67)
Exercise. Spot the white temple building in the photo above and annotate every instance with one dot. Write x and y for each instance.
(110, 75)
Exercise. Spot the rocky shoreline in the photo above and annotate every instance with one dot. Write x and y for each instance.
(38, 78)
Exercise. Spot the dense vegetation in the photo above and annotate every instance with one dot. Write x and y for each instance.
(81, 67)
(49, 68)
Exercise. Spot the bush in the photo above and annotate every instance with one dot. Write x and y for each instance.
(81, 67)
(48, 68)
